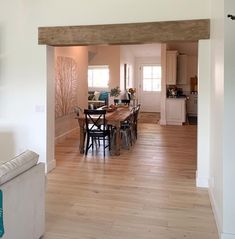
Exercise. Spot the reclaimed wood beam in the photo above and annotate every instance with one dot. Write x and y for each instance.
(130, 33)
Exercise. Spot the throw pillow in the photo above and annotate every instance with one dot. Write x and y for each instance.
(96, 95)
(90, 97)
(104, 96)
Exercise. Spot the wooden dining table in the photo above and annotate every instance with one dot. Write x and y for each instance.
(113, 118)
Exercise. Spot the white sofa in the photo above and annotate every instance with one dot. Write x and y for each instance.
(22, 181)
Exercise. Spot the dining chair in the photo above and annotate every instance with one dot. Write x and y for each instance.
(122, 101)
(135, 120)
(78, 111)
(126, 132)
(96, 129)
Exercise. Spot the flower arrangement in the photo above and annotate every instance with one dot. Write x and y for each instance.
(115, 91)
(132, 91)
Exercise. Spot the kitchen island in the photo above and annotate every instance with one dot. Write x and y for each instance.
(175, 111)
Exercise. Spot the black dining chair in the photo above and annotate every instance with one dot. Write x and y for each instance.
(135, 120)
(96, 129)
(122, 101)
(126, 131)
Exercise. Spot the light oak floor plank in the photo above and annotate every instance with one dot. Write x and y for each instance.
(148, 192)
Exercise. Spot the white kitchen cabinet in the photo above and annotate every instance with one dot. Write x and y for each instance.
(171, 67)
(182, 69)
(192, 105)
(175, 111)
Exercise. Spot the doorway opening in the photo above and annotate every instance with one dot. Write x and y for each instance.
(200, 31)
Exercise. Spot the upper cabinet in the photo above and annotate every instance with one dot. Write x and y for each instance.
(182, 69)
(171, 67)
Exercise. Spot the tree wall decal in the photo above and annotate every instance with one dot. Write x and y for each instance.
(66, 86)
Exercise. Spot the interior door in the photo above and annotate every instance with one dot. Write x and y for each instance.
(150, 87)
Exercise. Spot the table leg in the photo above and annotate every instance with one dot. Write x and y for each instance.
(118, 139)
(82, 136)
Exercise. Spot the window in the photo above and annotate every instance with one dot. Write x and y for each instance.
(98, 76)
(151, 78)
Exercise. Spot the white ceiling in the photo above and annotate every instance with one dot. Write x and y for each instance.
(188, 48)
(144, 50)
(154, 50)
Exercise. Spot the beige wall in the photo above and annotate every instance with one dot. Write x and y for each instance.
(67, 124)
(108, 55)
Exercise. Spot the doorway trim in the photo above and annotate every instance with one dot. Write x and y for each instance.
(118, 34)
(129, 33)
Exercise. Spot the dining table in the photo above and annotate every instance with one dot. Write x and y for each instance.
(114, 118)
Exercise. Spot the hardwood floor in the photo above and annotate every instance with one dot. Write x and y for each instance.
(149, 117)
(148, 192)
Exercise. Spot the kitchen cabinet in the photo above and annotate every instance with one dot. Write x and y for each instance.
(192, 105)
(175, 111)
(171, 67)
(182, 69)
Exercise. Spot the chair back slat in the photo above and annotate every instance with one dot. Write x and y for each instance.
(96, 128)
(95, 120)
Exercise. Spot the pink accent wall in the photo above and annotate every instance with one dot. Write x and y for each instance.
(67, 124)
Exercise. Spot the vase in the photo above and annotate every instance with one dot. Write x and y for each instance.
(111, 100)
(132, 96)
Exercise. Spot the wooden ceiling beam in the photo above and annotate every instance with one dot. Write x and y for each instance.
(130, 33)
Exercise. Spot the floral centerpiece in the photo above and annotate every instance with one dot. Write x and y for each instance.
(115, 92)
(132, 91)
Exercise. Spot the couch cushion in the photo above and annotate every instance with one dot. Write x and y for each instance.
(96, 95)
(17, 165)
(104, 96)
(90, 96)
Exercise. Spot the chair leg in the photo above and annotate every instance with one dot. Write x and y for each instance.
(104, 145)
(109, 142)
(87, 144)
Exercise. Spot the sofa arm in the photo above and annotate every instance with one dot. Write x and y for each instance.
(24, 204)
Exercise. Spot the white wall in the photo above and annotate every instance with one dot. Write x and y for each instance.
(50, 123)
(222, 129)
(203, 137)
(163, 89)
(217, 110)
(23, 74)
(229, 126)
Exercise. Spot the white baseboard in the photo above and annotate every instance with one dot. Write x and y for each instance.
(169, 122)
(162, 122)
(215, 210)
(222, 235)
(51, 165)
(63, 136)
(201, 182)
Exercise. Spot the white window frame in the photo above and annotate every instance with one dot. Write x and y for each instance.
(96, 67)
(160, 78)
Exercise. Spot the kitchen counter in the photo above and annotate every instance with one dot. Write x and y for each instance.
(175, 110)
